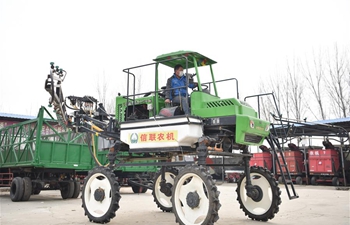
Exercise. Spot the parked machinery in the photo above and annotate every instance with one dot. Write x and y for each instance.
(39, 154)
(295, 163)
(309, 166)
(329, 165)
(215, 127)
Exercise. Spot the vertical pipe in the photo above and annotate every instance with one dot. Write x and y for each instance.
(127, 97)
(38, 135)
(259, 106)
(156, 109)
(237, 88)
(213, 79)
(133, 99)
(342, 160)
(198, 77)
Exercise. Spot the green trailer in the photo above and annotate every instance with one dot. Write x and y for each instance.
(40, 154)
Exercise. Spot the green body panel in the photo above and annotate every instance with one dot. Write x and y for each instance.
(243, 128)
(208, 106)
(65, 155)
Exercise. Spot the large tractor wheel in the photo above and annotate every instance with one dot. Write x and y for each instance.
(100, 195)
(67, 189)
(163, 197)
(17, 189)
(195, 197)
(266, 204)
(28, 188)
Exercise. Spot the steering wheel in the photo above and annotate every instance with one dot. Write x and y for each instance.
(147, 94)
(204, 87)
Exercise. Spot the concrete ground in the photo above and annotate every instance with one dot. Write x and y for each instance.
(317, 205)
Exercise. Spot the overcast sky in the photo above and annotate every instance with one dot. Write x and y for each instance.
(91, 39)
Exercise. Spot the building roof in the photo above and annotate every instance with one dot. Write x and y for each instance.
(16, 116)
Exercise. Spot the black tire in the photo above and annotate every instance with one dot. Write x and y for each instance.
(17, 189)
(100, 177)
(76, 191)
(138, 189)
(190, 178)
(259, 177)
(162, 200)
(280, 180)
(67, 189)
(299, 180)
(313, 180)
(36, 189)
(335, 181)
(28, 188)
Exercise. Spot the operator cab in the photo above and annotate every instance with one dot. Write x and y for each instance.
(136, 106)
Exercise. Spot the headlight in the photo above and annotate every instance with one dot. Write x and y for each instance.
(267, 128)
(251, 123)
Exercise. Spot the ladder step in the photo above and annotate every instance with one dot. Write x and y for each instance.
(283, 165)
(293, 197)
(288, 181)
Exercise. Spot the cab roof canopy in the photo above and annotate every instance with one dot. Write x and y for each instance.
(180, 55)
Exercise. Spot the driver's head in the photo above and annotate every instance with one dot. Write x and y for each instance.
(178, 70)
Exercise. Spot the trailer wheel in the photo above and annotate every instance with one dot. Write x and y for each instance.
(17, 189)
(36, 191)
(138, 189)
(28, 188)
(195, 197)
(36, 188)
(100, 195)
(280, 180)
(163, 199)
(335, 181)
(67, 189)
(299, 180)
(266, 204)
(313, 180)
(76, 191)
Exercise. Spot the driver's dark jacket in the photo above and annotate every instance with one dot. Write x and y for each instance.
(174, 82)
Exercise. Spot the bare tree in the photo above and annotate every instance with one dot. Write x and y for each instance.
(294, 87)
(314, 75)
(288, 89)
(338, 82)
(102, 89)
(267, 105)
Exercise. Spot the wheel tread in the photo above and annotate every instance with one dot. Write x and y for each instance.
(106, 218)
(159, 205)
(27, 184)
(270, 214)
(201, 171)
